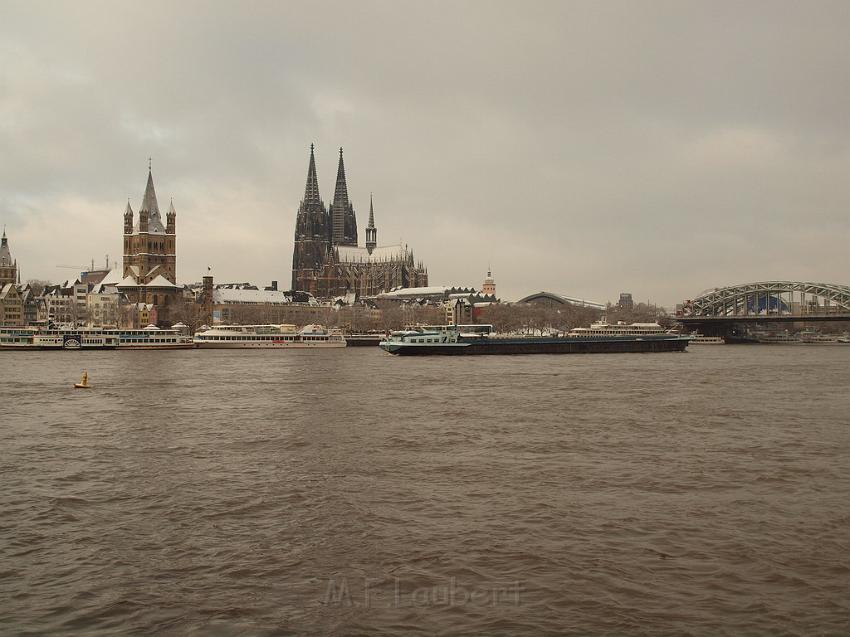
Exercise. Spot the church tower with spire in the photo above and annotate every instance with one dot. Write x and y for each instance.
(8, 266)
(371, 230)
(343, 218)
(312, 234)
(150, 254)
(150, 248)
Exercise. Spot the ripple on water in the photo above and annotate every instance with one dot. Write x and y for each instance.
(350, 492)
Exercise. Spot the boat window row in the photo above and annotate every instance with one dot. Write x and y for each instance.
(245, 337)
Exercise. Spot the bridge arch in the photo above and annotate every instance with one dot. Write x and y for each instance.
(770, 298)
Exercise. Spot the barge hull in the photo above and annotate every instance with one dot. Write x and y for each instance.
(543, 346)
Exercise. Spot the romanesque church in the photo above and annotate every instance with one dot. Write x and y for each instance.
(150, 252)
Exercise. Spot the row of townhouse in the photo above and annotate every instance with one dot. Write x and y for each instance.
(71, 303)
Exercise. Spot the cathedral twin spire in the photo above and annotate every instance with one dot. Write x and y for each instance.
(326, 258)
(311, 192)
(341, 218)
(341, 188)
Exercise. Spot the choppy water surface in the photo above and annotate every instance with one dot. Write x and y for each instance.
(208, 492)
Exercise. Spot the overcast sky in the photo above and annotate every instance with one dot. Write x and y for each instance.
(586, 148)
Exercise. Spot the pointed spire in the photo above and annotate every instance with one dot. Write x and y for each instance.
(149, 203)
(171, 209)
(371, 231)
(5, 254)
(128, 218)
(343, 219)
(151, 207)
(341, 189)
(311, 192)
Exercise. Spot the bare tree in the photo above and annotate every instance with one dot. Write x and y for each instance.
(538, 318)
(189, 313)
(37, 286)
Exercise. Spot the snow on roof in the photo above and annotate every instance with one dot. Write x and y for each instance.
(128, 282)
(161, 282)
(231, 295)
(100, 288)
(356, 254)
(433, 290)
(113, 277)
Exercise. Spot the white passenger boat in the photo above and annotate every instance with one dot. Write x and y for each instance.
(811, 336)
(603, 329)
(701, 339)
(17, 337)
(152, 337)
(74, 338)
(268, 336)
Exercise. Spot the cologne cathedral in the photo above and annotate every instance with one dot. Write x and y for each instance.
(327, 261)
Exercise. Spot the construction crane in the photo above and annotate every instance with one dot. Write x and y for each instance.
(82, 268)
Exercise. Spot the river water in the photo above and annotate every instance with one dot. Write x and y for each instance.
(348, 491)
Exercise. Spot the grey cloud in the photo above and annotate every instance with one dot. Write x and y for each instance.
(587, 148)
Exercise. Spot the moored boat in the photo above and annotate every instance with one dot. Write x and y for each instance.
(701, 339)
(813, 337)
(268, 336)
(70, 338)
(605, 329)
(83, 338)
(13, 338)
(152, 337)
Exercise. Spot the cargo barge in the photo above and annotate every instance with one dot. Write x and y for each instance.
(425, 342)
(364, 340)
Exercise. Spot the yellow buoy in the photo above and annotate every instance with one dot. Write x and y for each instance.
(84, 383)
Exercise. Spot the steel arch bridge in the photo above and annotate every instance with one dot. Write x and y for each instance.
(771, 298)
